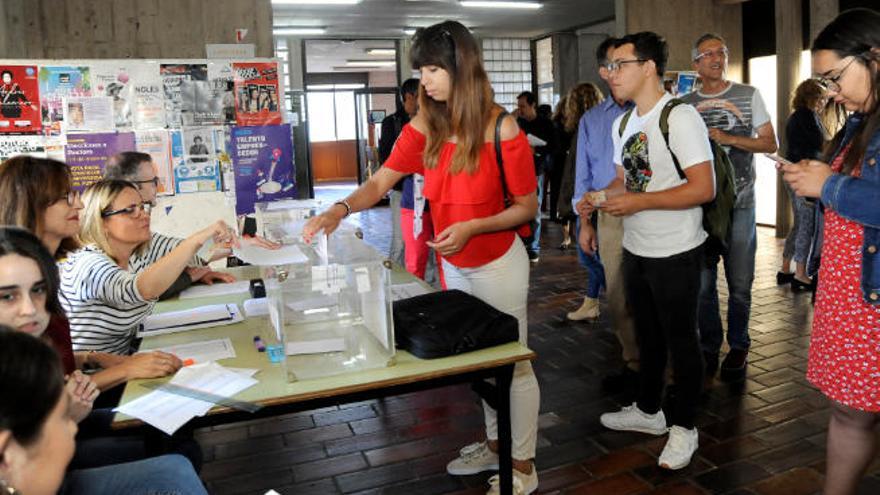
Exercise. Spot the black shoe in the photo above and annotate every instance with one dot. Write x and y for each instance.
(711, 364)
(783, 278)
(626, 379)
(533, 256)
(800, 286)
(733, 368)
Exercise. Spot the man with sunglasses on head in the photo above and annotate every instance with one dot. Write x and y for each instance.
(737, 120)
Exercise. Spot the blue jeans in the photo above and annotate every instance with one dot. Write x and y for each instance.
(593, 264)
(739, 268)
(166, 475)
(535, 244)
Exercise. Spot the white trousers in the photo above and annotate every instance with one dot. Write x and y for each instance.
(504, 284)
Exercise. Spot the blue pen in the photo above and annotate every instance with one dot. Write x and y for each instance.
(258, 343)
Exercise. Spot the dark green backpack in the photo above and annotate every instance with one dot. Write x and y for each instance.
(718, 213)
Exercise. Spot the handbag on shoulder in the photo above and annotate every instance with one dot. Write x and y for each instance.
(450, 322)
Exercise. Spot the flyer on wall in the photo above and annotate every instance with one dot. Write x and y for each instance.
(256, 93)
(262, 158)
(11, 146)
(88, 113)
(157, 144)
(177, 83)
(210, 102)
(114, 81)
(86, 154)
(57, 83)
(149, 101)
(194, 160)
(19, 99)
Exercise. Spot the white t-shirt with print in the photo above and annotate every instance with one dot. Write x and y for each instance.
(648, 167)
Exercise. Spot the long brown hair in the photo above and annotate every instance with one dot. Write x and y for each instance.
(581, 98)
(468, 110)
(29, 186)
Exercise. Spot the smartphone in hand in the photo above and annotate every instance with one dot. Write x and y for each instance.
(778, 159)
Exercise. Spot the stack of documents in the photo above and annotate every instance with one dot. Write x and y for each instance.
(216, 289)
(202, 352)
(190, 319)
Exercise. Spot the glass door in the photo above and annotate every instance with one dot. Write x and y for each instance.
(371, 106)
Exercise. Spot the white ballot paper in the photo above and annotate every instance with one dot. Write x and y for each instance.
(202, 352)
(216, 289)
(315, 346)
(168, 412)
(259, 256)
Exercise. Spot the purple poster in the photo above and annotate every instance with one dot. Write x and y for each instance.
(262, 158)
(86, 154)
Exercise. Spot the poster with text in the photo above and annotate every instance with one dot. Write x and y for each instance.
(11, 146)
(149, 96)
(157, 144)
(57, 83)
(114, 81)
(210, 102)
(194, 160)
(179, 82)
(262, 159)
(256, 93)
(20, 99)
(88, 113)
(86, 154)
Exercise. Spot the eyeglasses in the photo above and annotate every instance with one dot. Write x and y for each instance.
(154, 181)
(72, 197)
(721, 53)
(618, 64)
(132, 211)
(832, 83)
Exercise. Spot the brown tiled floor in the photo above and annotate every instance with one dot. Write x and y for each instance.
(765, 437)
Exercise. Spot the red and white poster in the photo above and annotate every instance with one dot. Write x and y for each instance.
(256, 93)
(19, 99)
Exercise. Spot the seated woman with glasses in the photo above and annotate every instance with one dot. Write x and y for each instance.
(36, 194)
(106, 298)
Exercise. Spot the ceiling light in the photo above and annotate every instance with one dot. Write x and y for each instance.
(381, 51)
(409, 31)
(292, 31)
(370, 63)
(315, 2)
(501, 5)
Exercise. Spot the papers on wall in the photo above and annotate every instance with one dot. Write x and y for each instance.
(262, 159)
(20, 100)
(113, 80)
(256, 93)
(202, 352)
(88, 113)
(194, 160)
(87, 154)
(407, 290)
(315, 346)
(168, 412)
(149, 103)
(157, 144)
(216, 289)
(190, 319)
(178, 82)
(22, 145)
(57, 83)
(256, 255)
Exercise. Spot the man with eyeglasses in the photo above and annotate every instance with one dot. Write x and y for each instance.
(737, 120)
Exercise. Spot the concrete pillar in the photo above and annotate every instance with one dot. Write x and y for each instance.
(789, 45)
(565, 74)
(821, 13)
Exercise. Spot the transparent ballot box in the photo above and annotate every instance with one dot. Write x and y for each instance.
(282, 221)
(332, 313)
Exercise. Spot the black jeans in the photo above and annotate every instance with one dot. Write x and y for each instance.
(663, 295)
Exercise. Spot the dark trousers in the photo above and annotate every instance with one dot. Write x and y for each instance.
(663, 295)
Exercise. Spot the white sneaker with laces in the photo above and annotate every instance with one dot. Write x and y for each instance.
(679, 448)
(472, 459)
(631, 418)
(523, 484)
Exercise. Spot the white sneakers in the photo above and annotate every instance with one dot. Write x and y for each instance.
(474, 458)
(680, 446)
(589, 310)
(523, 484)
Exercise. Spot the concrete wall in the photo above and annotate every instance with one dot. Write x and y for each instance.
(129, 28)
(681, 22)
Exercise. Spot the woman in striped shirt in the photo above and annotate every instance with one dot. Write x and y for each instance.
(105, 299)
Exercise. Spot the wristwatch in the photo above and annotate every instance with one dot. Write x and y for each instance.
(346, 205)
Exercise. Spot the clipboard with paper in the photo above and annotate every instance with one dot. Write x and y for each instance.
(212, 315)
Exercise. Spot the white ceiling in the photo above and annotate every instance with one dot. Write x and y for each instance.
(388, 18)
(331, 55)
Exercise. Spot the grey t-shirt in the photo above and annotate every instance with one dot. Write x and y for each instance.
(737, 110)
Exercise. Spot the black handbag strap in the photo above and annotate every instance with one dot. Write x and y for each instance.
(498, 121)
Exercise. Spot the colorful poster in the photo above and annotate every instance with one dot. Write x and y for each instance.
(88, 113)
(210, 102)
(179, 82)
(114, 81)
(262, 158)
(194, 160)
(11, 146)
(86, 154)
(149, 100)
(19, 99)
(157, 144)
(256, 93)
(57, 83)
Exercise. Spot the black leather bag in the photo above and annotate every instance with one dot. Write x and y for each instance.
(450, 322)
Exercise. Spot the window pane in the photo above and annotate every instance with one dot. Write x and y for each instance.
(322, 125)
(345, 115)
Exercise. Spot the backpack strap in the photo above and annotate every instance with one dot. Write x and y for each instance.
(498, 121)
(623, 122)
(664, 129)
